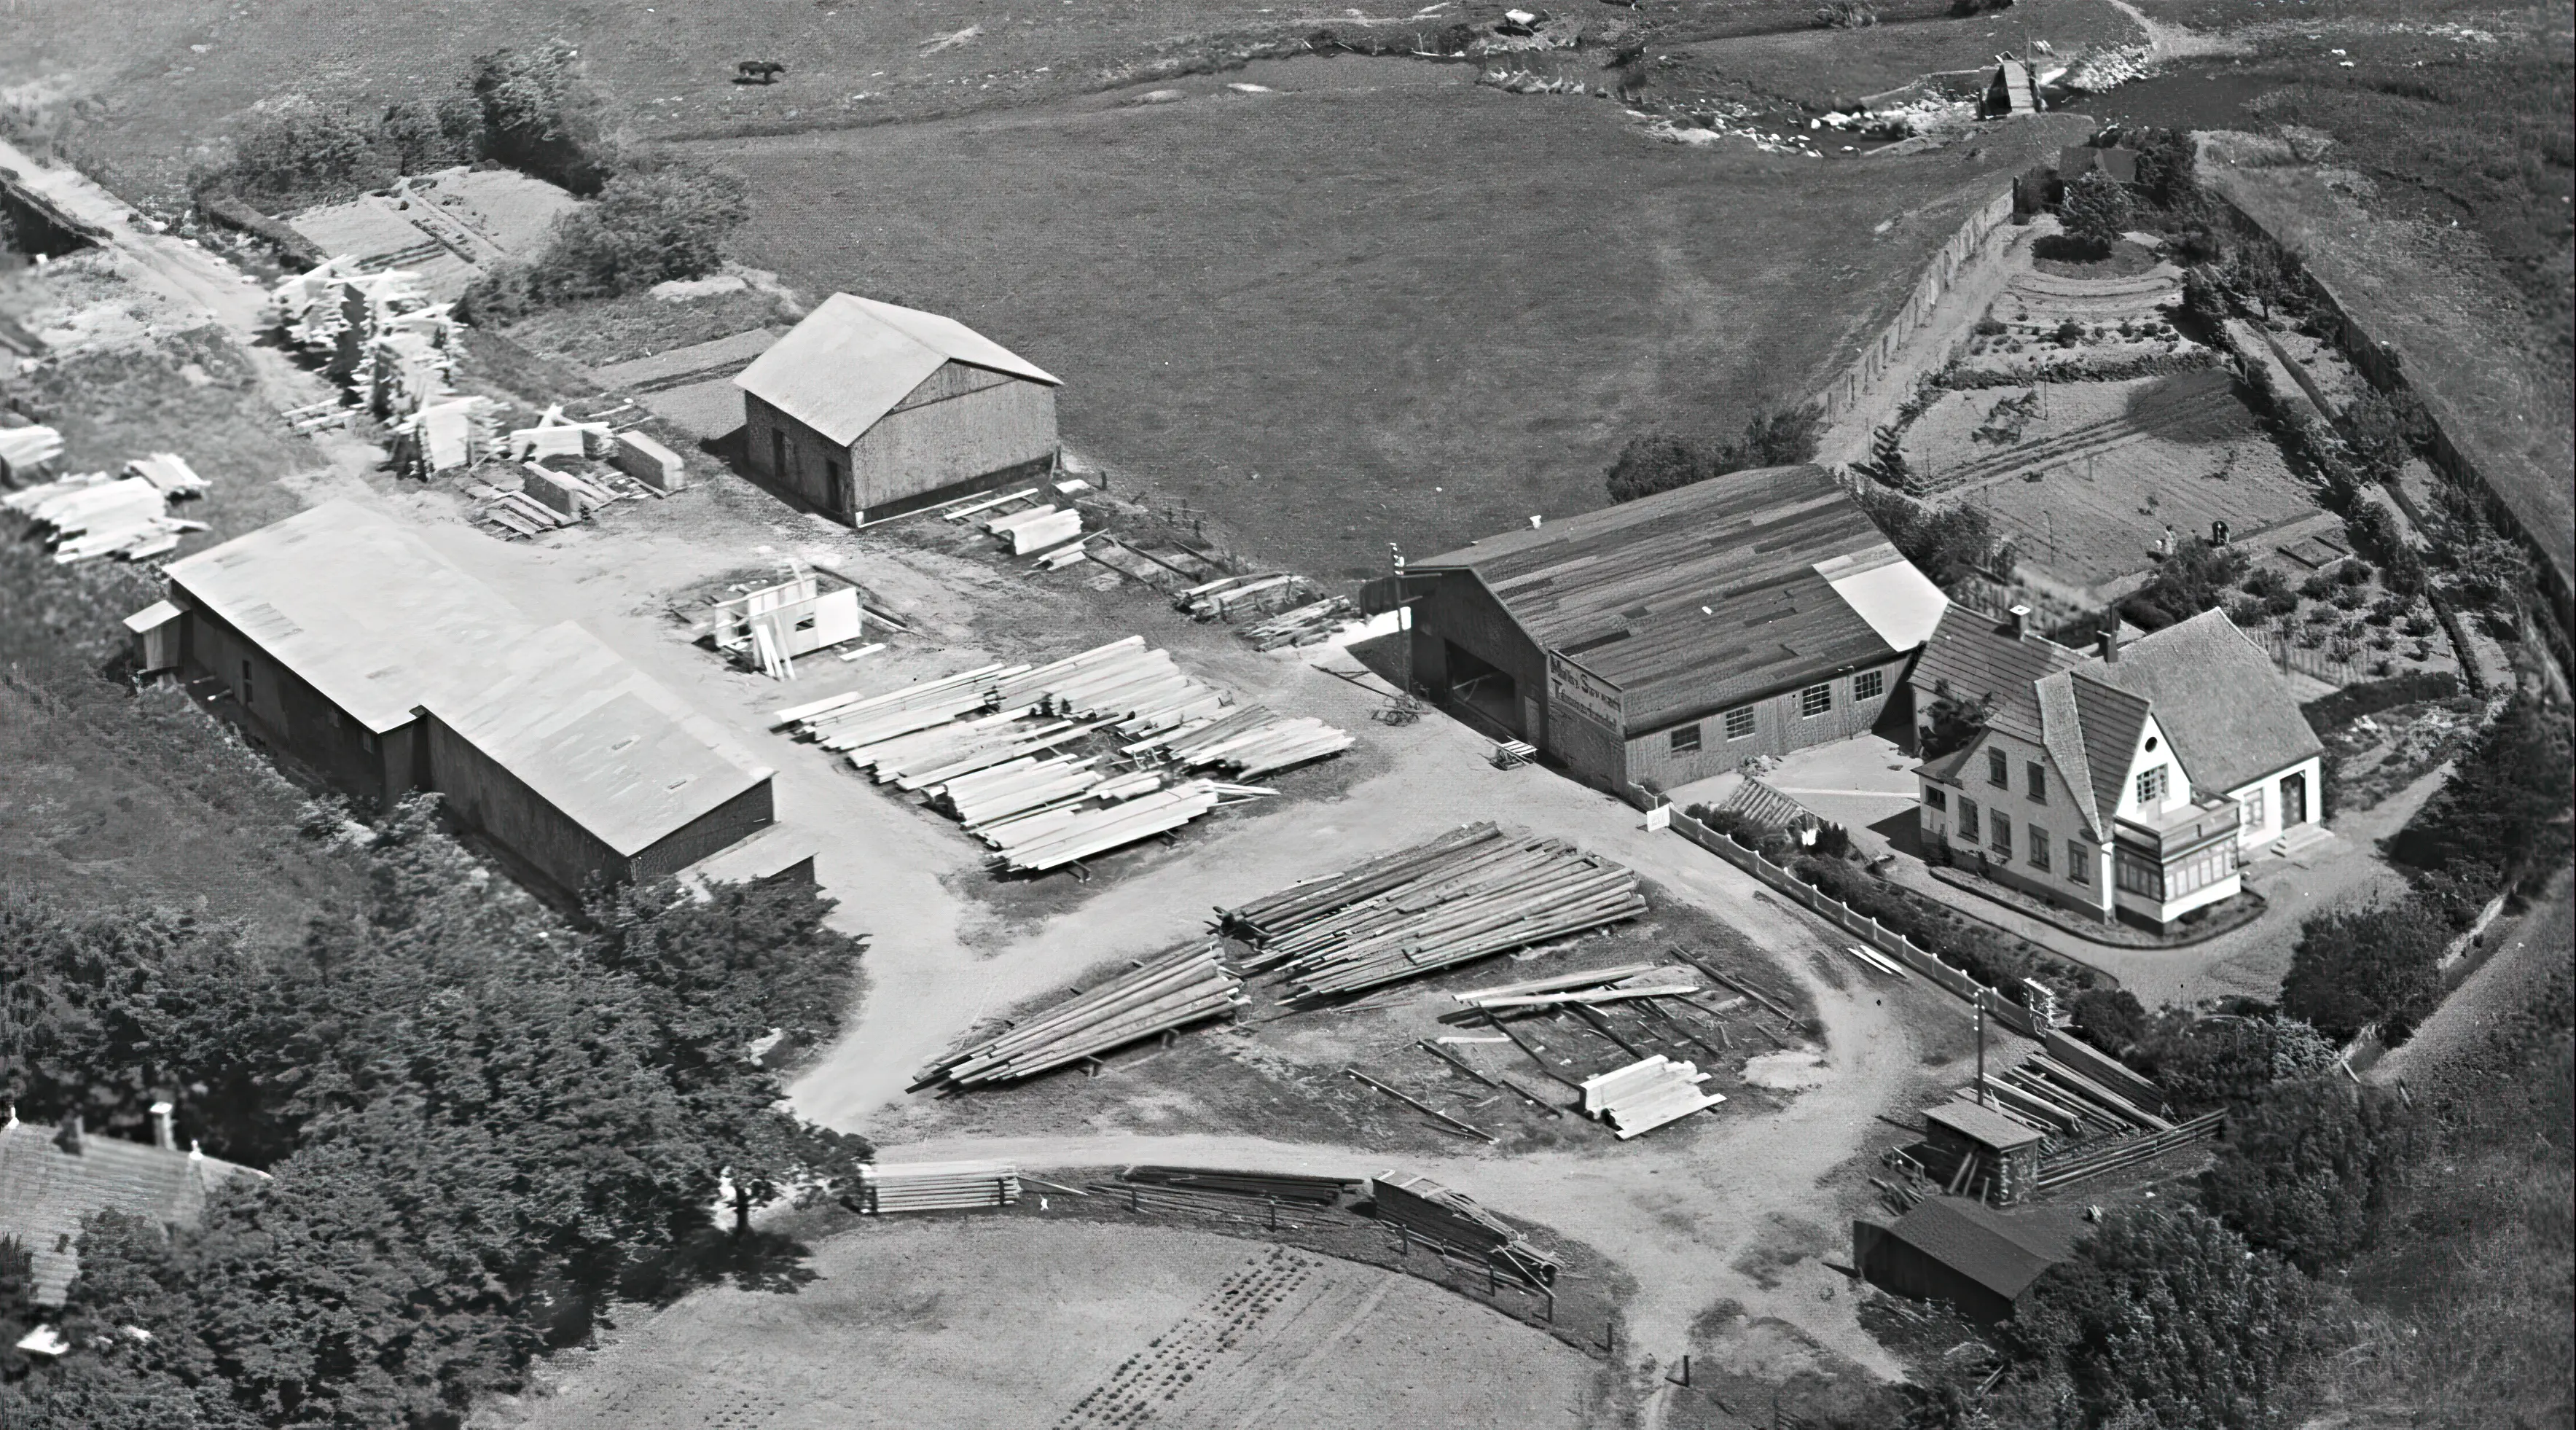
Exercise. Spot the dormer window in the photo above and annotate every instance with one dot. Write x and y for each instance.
(2151, 786)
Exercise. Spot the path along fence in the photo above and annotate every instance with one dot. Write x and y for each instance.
(1975, 242)
(1869, 930)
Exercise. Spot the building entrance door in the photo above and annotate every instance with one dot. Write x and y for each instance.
(2294, 800)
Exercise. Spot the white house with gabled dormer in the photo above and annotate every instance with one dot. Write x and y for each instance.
(2128, 782)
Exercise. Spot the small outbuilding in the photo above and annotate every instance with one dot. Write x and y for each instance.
(2001, 1155)
(1671, 638)
(866, 409)
(1973, 1256)
(52, 1177)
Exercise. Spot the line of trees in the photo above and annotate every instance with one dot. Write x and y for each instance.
(651, 217)
(1663, 461)
(482, 1121)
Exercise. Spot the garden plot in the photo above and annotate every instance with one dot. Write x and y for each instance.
(2096, 474)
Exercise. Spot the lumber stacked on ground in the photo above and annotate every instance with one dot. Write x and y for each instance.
(1645, 1095)
(1167, 993)
(936, 1186)
(1310, 624)
(1452, 1221)
(1600, 985)
(1468, 894)
(1289, 1188)
(1249, 742)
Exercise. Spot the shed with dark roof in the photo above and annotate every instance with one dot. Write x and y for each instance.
(1670, 638)
(865, 409)
(1973, 1256)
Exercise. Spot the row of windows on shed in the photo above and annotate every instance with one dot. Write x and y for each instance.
(1815, 700)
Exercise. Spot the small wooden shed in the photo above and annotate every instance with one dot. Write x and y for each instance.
(866, 409)
(2006, 1152)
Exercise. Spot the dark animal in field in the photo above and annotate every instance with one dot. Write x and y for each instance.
(758, 72)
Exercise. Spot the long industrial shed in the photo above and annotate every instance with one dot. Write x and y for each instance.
(350, 646)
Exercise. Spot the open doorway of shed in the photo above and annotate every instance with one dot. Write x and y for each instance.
(1486, 694)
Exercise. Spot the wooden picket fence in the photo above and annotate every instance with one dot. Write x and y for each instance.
(1869, 930)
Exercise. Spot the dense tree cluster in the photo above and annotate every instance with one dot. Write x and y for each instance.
(2194, 577)
(481, 1122)
(1945, 543)
(1662, 462)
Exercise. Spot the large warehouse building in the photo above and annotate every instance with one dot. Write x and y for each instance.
(866, 409)
(1669, 639)
(352, 647)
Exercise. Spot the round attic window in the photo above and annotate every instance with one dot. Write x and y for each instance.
(2151, 744)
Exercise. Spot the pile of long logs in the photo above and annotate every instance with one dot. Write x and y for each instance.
(1309, 624)
(1469, 894)
(937, 1186)
(2046, 1094)
(1165, 994)
(1645, 1095)
(1225, 597)
(1590, 988)
(1451, 1221)
(1298, 1188)
(1249, 742)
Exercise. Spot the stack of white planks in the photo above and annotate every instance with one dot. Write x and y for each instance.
(94, 516)
(1600, 985)
(937, 1186)
(1643, 1096)
(1173, 991)
(1000, 747)
(1251, 741)
(23, 449)
(1466, 895)
(1309, 624)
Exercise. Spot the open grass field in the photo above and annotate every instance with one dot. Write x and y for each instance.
(1834, 68)
(1380, 305)
(1020, 1321)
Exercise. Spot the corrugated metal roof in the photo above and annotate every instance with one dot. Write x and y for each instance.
(1695, 599)
(45, 1191)
(853, 359)
(2218, 698)
(364, 611)
(2002, 1252)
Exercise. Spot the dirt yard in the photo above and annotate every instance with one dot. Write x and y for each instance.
(1022, 1321)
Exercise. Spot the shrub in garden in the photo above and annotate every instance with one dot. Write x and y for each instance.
(2307, 1169)
(2095, 210)
(2355, 967)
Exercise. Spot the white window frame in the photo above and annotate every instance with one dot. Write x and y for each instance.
(1816, 700)
(1747, 733)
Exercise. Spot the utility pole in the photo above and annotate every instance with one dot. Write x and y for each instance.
(1403, 622)
(1983, 1100)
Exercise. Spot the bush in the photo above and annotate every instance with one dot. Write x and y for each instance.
(2226, 1060)
(2506, 804)
(2111, 1019)
(2193, 578)
(647, 226)
(2095, 210)
(540, 116)
(1662, 462)
(294, 152)
(2069, 333)
(420, 135)
(2307, 1170)
(2167, 1319)
(1945, 543)
(2352, 968)
(1846, 15)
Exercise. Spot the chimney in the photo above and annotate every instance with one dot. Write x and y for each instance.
(2021, 623)
(69, 1138)
(162, 1135)
(2111, 641)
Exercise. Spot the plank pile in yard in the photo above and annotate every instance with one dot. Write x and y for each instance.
(1310, 624)
(936, 1186)
(1468, 894)
(999, 747)
(1298, 1188)
(1645, 1095)
(1589, 988)
(128, 516)
(1165, 994)
(1452, 1222)
(24, 449)
(1227, 597)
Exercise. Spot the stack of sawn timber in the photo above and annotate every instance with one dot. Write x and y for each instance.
(1309, 624)
(988, 746)
(1288, 1188)
(1465, 895)
(937, 1186)
(1452, 1221)
(1168, 993)
(1593, 986)
(1645, 1095)
(2049, 1095)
